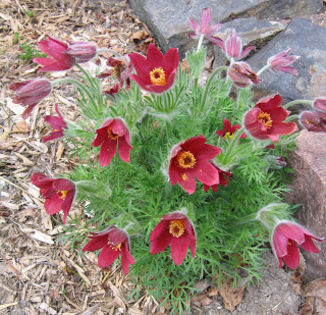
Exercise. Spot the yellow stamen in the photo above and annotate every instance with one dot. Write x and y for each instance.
(115, 247)
(62, 194)
(186, 159)
(265, 119)
(228, 135)
(176, 228)
(157, 76)
(111, 134)
(184, 176)
(310, 122)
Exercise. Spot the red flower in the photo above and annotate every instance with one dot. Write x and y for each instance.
(233, 47)
(176, 230)
(59, 60)
(57, 123)
(314, 121)
(155, 73)
(58, 193)
(223, 180)
(30, 93)
(113, 242)
(204, 28)
(319, 104)
(286, 237)
(112, 133)
(281, 62)
(228, 131)
(81, 51)
(266, 119)
(190, 160)
(242, 75)
(122, 69)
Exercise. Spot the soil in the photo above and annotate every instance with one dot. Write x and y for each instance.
(38, 273)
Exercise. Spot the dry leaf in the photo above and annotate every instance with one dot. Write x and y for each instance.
(136, 37)
(231, 296)
(317, 290)
(212, 291)
(201, 300)
(202, 285)
(21, 127)
(184, 65)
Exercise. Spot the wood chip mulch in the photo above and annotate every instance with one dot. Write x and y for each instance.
(40, 275)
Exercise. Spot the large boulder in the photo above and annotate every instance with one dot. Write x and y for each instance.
(168, 19)
(305, 40)
(308, 188)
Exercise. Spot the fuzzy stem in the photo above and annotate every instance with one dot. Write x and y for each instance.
(208, 84)
(295, 102)
(200, 42)
(260, 71)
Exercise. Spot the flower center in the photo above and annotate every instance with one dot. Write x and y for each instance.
(310, 122)
(176, 228)
(62, 194)
(228, 135)
(186, 159)
(115, 247)
(265, 119)
(111, 134)
(157, 76)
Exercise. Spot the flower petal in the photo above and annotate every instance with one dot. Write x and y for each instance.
(309, 245)
(107, 256)
(96, 243)
(107, 152)
(179, 247)
(292, 259)
(124, 149)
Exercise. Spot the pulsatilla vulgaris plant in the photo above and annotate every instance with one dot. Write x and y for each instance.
(150, 149)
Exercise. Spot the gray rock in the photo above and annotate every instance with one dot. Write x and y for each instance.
(168, 19)
(309, 189)
(252, 31)
(274, 295)
(305, 40)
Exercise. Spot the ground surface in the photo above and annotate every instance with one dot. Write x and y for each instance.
(39, 275)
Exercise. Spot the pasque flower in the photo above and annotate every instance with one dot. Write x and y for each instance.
(233, 47)
(319, 104)
(242, 75)
(157, 72)
(81, 51)
(122, 69)
(57, 123)
(228, 131)
(113, 242)
(313, 121)
(266, 119)
(282, 61)
(204, 28)
(111, 134)
(223, 179)
(58, 59)
(30, 93)
(190, 160)
(286, 238)
(58, 193)
(176, 230)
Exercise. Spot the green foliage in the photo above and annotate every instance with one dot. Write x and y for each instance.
(229, 241)
(28, 52)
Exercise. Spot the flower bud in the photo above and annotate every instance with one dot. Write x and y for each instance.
(281, 62)
(313, 121)
(320, 104)
(242, 75)
(81, 51)
(30, 93)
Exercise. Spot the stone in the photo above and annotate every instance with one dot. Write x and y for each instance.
(252, 32)
(168, 19)
(305, 40)
(308, 188)
(274, 295)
